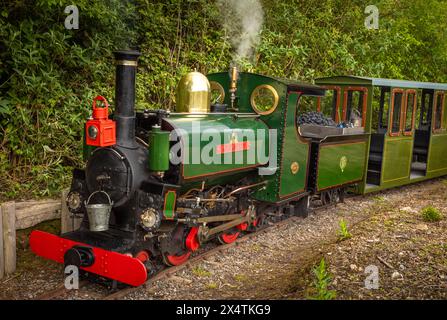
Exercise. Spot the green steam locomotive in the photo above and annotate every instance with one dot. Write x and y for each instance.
(241, 149)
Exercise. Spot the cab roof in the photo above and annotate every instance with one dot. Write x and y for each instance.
(307, 88)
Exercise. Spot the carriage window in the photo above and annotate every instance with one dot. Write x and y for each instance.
(426, 103)
(439, 111)
(384, 107)
(396, 112)
(355, 106)
(328, 105)
(445, 112)
(409, 111)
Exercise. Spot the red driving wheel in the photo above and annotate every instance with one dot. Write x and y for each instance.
(176, 260)
(192, 244)
(226, 238)
(230, 237)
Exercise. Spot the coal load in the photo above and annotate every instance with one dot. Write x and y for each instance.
(316, 118)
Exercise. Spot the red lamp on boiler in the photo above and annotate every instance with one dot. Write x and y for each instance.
(100, 130)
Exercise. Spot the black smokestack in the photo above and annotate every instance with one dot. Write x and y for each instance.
(126, 69)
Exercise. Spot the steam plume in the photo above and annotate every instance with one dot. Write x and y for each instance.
(242, 19)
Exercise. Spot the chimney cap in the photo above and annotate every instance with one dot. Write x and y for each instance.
(131, 55)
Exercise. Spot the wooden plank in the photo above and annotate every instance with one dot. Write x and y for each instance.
(2, 258)
(29, 203)
(9, 236)
(28, 217)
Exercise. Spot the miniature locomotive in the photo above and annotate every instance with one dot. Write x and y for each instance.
(159, 184)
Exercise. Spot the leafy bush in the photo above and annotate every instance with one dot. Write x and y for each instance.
(49, 75)
(431, 214)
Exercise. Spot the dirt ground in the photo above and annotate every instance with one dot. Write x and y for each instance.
(411, 254)
(388, 235)
(278, 265)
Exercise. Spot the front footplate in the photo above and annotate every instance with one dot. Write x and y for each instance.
(108, 264)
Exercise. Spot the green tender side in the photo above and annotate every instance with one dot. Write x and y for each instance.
(222, 130)
(158, 150)
(341, 164)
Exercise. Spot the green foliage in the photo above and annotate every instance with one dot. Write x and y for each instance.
(49, 75)
(201, 272)
(343, 232)
(321, 283)
(431, 214)
(211, 286)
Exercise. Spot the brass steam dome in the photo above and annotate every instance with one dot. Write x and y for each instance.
(193, 93)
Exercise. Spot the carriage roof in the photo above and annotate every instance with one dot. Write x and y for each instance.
(383, 82)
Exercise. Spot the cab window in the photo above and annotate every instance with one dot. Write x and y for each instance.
(307, 104)
(329, 104)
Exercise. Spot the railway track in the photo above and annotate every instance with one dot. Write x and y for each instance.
(167, 272)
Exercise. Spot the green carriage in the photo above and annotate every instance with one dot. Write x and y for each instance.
(407, 124)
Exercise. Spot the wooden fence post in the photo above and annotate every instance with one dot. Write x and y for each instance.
(9, 236)
(2, 257)
(68, 223)
(65, 214)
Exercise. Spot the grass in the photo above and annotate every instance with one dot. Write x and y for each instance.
(211, 286)
(201, 272)
(321, 283)
(240, 277)
(431, 214)
(343, 232)
(378, 199)
(388, 223)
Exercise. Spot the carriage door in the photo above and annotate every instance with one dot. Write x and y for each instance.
(398, 142)
(437, 160)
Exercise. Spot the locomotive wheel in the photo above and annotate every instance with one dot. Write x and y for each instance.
(226, 238)
(257, 224)
(176, 260)
(230, 237)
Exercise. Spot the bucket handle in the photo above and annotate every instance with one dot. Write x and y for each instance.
(108, 197)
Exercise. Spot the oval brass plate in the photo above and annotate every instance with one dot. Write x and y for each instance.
(294, 167)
